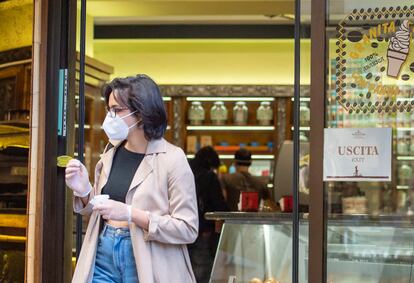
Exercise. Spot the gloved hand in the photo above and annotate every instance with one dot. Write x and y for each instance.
(77, 178)
(113, 210)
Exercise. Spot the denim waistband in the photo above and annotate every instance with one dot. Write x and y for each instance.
(109, 230)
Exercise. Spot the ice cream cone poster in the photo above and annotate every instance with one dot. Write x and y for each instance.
(398, 49)
(374, 60)
(357, 154)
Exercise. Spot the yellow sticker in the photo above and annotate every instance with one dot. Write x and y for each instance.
(62, 161)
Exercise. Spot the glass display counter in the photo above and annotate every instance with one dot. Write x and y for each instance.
(257, 247)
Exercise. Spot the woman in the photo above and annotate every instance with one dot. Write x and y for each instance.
(140, 233)
(209, 198)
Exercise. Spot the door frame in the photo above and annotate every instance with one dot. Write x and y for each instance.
(317, 204)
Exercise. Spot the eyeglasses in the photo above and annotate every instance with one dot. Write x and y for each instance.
(115, 110)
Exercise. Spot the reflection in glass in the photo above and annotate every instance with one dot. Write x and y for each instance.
(369, 82)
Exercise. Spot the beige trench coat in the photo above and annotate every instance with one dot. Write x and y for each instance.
(163, 185)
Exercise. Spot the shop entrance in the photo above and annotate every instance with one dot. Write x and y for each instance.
(221, 68)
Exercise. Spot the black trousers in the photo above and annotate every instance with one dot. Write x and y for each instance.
(202, 253)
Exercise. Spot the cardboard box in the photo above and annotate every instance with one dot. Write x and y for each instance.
(191, 144)
(206, 141)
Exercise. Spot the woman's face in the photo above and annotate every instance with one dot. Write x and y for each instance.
(121, 111)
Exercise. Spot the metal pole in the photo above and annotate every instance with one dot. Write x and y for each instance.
(296, 145)
(81, 113)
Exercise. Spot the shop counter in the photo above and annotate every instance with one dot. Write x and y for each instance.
(255, 247)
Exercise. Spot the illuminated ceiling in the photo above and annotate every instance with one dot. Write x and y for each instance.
(108, 12)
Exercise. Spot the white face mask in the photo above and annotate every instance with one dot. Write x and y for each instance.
(116, 128)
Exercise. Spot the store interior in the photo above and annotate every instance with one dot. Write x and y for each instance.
(226, 70)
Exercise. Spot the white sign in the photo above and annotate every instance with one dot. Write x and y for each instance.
(353, 154)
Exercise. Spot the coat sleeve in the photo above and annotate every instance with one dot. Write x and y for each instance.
(180, 226)
(79, 207)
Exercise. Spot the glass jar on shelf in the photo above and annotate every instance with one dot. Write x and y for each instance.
(218, 113)
(240, 113)
(196, 113)
(405, 172)
(411, 147)
(402, 145)
(304, 113)
(303, 137)
(264, 113)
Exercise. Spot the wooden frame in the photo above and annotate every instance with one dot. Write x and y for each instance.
(317, 215)
(49, 233)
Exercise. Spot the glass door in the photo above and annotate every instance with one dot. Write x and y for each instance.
(369, 92)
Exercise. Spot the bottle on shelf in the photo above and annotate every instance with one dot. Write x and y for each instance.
(264, 113)
(218, 113)
(411, 139)
(303, 137)
(405, 172)
(196, 113)
(304, 113)
(240, 113)
(400, 119)
(402, 145)
(340, 117)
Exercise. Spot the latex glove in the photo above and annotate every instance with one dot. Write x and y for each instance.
(77, 178)
(112, 210)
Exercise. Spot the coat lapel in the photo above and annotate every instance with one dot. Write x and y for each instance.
(145, 168)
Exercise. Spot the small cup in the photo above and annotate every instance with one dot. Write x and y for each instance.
(99, 199)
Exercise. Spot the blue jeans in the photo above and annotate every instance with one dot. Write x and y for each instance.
(115, 260)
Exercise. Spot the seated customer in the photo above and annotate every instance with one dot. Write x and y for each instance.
(209, 199)
(241, 180)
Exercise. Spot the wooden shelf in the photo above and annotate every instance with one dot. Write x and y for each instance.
(403, 129)
(405, 157)
(86, 126)
(402, 187)
(305, 129)
(231, 156)
(233, 99)
(233, 148)
(230, 128)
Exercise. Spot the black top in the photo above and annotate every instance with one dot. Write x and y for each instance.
(124, 166)
(209, 195)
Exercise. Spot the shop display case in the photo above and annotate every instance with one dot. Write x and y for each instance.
(361, 248)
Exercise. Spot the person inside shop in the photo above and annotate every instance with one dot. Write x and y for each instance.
(139, 234)
(241, 180)
(209, 199)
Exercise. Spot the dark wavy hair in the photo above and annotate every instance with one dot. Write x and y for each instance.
(140, 94)
(207, 158)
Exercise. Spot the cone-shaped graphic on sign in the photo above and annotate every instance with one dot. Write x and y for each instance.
(398, 49)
